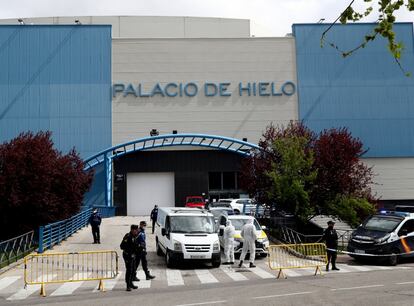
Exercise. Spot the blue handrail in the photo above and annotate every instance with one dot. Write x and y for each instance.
(54, 233)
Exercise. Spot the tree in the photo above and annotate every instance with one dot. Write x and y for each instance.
(38, 184)
(292, 177)
(386, 10)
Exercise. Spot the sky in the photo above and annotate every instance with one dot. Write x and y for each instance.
(267, 17)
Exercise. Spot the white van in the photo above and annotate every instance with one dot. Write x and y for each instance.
(187, 234)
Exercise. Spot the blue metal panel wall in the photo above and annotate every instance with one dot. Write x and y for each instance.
(366, 92)
(57, 78)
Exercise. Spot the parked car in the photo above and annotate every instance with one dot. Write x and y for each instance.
(386, 233)
(262, 242)
(245, 206)
(218, 211)
(187, 234)
(194, 202)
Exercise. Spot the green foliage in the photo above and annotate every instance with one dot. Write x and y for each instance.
(293, 176)
(350, 209)
(384, 25)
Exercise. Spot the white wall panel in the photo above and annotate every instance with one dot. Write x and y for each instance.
(394, 177)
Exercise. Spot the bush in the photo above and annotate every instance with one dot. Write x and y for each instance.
(350, 209)
(38, 184)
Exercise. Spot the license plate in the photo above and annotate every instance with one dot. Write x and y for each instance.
(197, 257)
(360, 251)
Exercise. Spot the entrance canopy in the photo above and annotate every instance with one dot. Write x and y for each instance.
(170, 140)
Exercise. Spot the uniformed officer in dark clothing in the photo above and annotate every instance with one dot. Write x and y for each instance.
(142, 251)
(331, 239)
(154, 216)
(95, 221)
(130, 247)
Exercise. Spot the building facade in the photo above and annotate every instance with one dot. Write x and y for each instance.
(107, 81)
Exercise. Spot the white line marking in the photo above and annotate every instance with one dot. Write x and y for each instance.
(262, 273)
(7, 281)
(205, 277)
(405, 283)
(381, 268)
(281, 295)
(360, 287)
(204, 303)
(70, 287)
(174, 278)
(143, 283)
(24, 293)
(236, 276)
(109, 284)
(360, 268)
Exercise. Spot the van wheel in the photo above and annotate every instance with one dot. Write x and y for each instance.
(393, 260)
(216, 263)
(168, 260)
(159, 251)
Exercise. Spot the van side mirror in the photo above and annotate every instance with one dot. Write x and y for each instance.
(163, 232)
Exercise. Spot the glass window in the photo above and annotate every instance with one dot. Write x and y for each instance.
(229, 180)
(407, 228)
(238, 224)
(192, 224)
(382, 224)
(214, 180)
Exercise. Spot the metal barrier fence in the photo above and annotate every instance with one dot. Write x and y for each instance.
(54, 233)
(50, 268)
(15, 248)
(297, 256)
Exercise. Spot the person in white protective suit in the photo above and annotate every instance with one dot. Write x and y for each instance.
(228, 237)
(249, 236)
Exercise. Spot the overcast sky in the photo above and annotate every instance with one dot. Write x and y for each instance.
(268, 17)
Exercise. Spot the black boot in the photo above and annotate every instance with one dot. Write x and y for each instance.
(335, 268)
(327, 267)
(135, 279)
(252, 265)
(241, 263)
(149, 276)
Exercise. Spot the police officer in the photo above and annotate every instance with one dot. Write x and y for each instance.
(95, 221)
(142, 250)
(154, 216)
(330, 237)
(130, 247)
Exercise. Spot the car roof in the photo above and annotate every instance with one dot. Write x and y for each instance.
(240, 217)
(185, 211)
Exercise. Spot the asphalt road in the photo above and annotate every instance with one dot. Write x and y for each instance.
(391, 287)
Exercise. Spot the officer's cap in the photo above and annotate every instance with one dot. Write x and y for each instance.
(143, 223)
(134, 227)
(331, 222)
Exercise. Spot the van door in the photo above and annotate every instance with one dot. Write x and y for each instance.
(406, 232)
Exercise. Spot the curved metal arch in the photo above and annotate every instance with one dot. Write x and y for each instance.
(172, 140)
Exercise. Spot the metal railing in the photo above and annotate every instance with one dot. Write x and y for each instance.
(16, 248)
(54, 233)
(51, 268)
(104, 211)
(297, 256)
(290, 236)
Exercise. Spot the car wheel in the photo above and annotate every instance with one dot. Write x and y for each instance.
(393, 258)
(169, 261)
(216, 263)
(159, 251)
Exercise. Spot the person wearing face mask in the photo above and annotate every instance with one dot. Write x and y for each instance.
(330, 237)
(142, 251)
(228, 236)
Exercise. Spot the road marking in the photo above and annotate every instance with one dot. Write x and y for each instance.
(405, 283)
(381, 268)
(70, 287)
(236, 276)
(204, 303)
(110, 283)
(205, 277)
(360, 287)
(360, 268)
(291, 273)
(262, 273)
(143, 283)
(7, 281)
(24, 293)
(281, 295)
(174, 278)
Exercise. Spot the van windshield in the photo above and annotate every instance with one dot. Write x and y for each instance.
(382, 224)
(192, 224)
